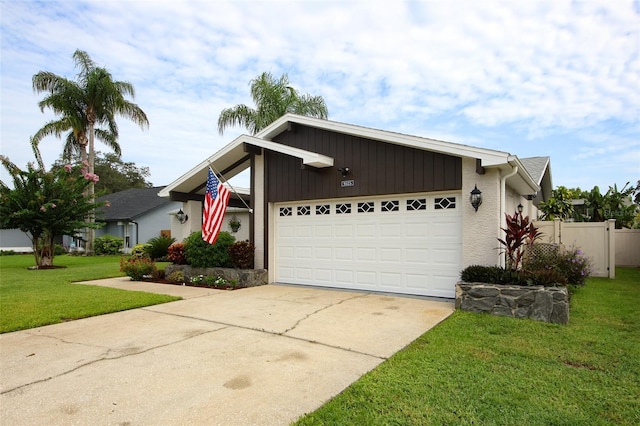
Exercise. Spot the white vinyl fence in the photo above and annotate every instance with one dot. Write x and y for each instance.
(628, 247)
(595, 239)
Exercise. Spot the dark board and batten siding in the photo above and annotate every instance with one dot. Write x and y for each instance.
(378, 168)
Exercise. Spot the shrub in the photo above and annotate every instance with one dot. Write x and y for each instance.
(201, 254)
(242, 253)
(7, 253)
(158, 274)
(137, 267)
(140, 251)
(58, 250)
(158, 247)
(176, 254)
(570, 263)
(176, 277)
(482, 274)
(108, 245)
(499, 275)
(574, 266)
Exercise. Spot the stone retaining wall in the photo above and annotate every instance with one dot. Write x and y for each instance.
(549, 304)
(244, 277)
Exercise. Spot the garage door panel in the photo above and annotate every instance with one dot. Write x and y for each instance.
(414, 246)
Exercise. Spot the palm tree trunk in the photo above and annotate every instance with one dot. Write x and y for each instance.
(91, 232)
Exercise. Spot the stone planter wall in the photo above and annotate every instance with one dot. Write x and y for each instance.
(549, 304)
(244, 277)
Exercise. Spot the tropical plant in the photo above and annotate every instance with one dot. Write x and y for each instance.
(242, 253)
(158, 247)
(46, 205)
(93, 100)
(519, 232)
(175, 254)
(559, 205)
(273, 99)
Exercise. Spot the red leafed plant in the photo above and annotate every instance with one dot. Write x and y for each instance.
(175, 254)
(519, 232)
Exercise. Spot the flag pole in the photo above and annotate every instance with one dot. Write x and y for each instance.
(230, 186)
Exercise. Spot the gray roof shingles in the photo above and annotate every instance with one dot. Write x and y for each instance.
(130, 203)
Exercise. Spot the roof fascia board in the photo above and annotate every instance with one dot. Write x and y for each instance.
(489, 157)
(308, 158)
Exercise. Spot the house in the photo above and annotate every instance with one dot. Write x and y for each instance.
(339, 205)
(136, 215)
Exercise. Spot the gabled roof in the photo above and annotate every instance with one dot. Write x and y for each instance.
(234, 158)
(540, 170)
(131, 203)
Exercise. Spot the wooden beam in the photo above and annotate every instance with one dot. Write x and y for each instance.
(479, 169)
(252, 149)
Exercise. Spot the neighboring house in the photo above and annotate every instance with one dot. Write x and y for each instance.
(136, 215)
(345, 206)
(15, 240)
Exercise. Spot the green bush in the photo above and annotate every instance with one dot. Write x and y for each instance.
(140, 251)
(108, 245)
(242, 253)
(499, 275)
(137, 267)
(58, 250)
(482, 274)
(7, 253)
(201, 254)
(570, 263)
(175, 254)
(158, 247)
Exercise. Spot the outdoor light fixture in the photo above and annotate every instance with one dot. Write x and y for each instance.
(345, 171)
(182, 218)
(476, 197)
(520, 208)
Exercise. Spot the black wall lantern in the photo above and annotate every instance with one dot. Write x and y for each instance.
(476, 197)
(182, 218)
(344, 171)
(520, 208)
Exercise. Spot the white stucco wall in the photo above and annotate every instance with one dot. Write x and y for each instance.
(480, 229)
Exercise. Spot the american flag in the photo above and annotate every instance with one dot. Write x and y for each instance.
(215, 204)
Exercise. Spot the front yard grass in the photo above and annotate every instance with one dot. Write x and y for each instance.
(483, 369)
(32, 298)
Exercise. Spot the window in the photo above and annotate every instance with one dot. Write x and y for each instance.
(417, 204)
(366, 207)
(343, 208)
(323, 209)
(444, 203)
(304, 210)
(285, 211)
(390, 206)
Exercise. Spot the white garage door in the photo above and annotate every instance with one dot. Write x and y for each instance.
(407, 244)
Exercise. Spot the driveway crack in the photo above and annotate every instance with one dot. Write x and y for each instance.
(103, 358)
(322, 309)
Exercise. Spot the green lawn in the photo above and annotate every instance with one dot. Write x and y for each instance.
(482, 369)
(31, 298)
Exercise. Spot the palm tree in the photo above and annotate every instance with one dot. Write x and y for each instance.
(93, 99)
(273, 99)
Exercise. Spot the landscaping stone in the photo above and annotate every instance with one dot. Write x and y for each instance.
(549, 304)
(244, 277)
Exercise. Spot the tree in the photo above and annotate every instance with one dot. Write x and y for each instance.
(273, 99)
(115, 174)
(559, 205)
(46, 205)
(94, 99)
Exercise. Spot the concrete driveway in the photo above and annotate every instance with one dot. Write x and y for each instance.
(259, 356)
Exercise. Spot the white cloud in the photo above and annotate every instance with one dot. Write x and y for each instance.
(465, 70)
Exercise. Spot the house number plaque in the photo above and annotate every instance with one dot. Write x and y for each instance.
(346, 183)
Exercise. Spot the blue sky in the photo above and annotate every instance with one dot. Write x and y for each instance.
(558, 79)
